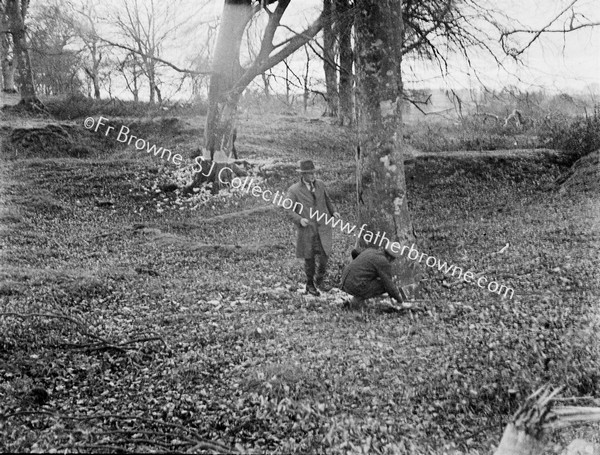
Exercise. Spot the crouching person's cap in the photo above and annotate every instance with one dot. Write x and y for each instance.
(395, 254)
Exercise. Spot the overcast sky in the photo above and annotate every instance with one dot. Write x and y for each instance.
(556, 62)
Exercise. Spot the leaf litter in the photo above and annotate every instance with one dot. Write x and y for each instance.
(160, 348)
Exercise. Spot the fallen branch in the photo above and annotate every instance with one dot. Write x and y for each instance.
(113, 449)
(193, 438)
(101, 346)
(119, 347)
(164, 445)
(85, 330)
(140, 340)
(56, 316)
(128, 432)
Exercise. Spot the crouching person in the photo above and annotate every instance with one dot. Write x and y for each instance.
(370, 275)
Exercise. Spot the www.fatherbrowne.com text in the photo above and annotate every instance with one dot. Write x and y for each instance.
(280, 200)
(379, 238)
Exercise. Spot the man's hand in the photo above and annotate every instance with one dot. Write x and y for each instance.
(304, 222)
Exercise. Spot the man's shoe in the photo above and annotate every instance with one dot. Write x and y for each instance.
(311, 289)
(322, 286)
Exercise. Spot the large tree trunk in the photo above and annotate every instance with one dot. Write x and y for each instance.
(381, 184)
(266, 85)
(96, 88)
(95, 70)
(226, 70)
(219, 132)
(306, 93)
(8, 67)
(329, 59)
(152, 86)
(16, 11)
(8, 76)
(94, 79)
(344, 20)
(228, 80)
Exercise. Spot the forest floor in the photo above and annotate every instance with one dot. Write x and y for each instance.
(132, 320)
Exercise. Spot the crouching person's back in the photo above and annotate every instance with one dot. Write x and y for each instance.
(370, 275)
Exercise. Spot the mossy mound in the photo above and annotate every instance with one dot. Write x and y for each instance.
(582, 177)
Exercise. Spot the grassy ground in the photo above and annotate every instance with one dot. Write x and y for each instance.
(145, 340)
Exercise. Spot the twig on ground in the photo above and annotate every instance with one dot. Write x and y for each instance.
(56, 316)
(121, 346)
(89, 347)
(112, 449)
(139, 340)
(24, 413)
(85, 330)
(193, 438)
(150, 442)
(144, 432)
(104, 347)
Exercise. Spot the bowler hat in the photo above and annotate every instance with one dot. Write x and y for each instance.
(307, 166)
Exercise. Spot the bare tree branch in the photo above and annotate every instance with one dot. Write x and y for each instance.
(293, 45)
(158, 59)
(515, 52)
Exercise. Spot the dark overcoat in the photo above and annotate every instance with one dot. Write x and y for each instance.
(303, 200)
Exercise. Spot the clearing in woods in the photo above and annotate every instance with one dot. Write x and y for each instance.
(136, 324)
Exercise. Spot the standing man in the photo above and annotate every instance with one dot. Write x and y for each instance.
(370, 275)
(309, 197)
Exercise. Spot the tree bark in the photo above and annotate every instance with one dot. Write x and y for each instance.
(95, 70)
(329, 59)
(8, 76)
(90, 39)
(96, 88)
(8, 67)
(266, 85)
(306, 93)
(381, 184)
(228, 79)
(151, 83)
(226, 70)
(16, 11)
(344, 20)
(94, 79)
